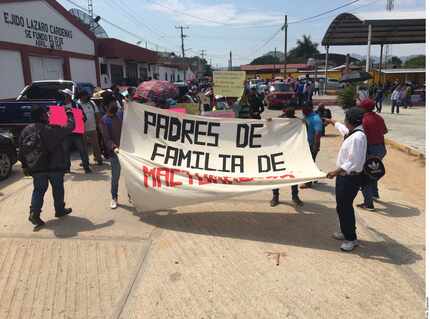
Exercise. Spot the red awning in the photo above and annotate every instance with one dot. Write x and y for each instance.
(117, 49)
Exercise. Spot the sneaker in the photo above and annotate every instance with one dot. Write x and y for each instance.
(349, 245)
(297, 201)
(338, 235)
(65, 212)
(365, 207)
(36, 221)
(275, 201)
(88, 170)
(114, 204)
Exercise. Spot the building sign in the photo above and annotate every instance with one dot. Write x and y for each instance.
(37, 24)
(44, 35)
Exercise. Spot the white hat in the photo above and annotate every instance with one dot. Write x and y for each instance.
(67, 92)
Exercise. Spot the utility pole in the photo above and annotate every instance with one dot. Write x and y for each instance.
(183, 36)
(230, 62)
(285, 47)
(389, 7)
(274, 65)
(91, 14)
(202, 57)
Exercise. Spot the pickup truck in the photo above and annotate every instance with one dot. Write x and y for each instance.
(16, 114)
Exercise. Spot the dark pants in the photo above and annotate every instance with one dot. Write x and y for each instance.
(346, 190)
(294, 191)
(370, 187)
(395, 104)
(116, 173)
(379, 102)
(78, 141)
(40, 186)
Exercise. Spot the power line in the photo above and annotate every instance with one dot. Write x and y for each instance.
(134, 35)
(324, 13)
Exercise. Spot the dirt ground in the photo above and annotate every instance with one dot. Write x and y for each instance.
(237, 258)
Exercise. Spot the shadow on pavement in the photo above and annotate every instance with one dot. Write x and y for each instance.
(94, 176)
(392, 209)
(14, 177)
(310, 229)
(71, 226)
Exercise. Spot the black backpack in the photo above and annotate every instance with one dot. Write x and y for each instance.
(32, 152)
(373, 168)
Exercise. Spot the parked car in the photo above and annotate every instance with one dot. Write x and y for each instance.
(8, 154)
(15, 115)
(280, 95)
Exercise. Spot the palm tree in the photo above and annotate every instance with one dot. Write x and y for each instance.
(305, 48)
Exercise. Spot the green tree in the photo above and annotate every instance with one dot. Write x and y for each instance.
(305, 48)
(266, 59)
(416, 62)
(395, 61)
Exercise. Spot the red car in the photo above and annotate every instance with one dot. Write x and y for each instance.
(281, 95)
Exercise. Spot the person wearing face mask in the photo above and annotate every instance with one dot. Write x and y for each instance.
(111, 125)
(42, 156)
(349, 167)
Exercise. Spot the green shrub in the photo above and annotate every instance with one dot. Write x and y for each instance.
(347, 97)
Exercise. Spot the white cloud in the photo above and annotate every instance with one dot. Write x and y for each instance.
(192, 13)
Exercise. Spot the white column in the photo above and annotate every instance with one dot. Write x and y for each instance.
(369, 46)
(325, 69)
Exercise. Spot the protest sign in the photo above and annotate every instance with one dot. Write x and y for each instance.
(229, 83)
(58, 116)
(172, 159)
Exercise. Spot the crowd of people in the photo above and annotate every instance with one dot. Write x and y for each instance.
(399, 94)
(45, 149)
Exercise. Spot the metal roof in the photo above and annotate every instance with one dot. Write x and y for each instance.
(402, 71)
(387, 28)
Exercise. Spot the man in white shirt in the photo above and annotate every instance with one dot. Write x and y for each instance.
(92, 114)
(348, 173)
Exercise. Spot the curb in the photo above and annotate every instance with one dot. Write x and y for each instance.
(405, 149)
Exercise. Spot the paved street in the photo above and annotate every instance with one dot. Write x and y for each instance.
(215, 260)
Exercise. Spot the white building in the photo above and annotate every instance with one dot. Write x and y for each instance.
(40, 40)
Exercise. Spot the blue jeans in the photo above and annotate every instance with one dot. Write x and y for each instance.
(347, 188)
(116, 172)
(40, 186)
(370, 187)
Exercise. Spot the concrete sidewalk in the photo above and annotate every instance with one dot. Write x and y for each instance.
(408, 127)
(237, 258)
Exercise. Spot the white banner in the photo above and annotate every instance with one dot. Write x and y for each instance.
(170, 159)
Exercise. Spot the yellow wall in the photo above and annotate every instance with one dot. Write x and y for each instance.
(418, 78)
(337, 75)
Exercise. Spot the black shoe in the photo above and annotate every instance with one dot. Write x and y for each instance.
(99, 163)
(88, 170)
(275, 201)
(65, 212)
(36, 221)
(297, 201)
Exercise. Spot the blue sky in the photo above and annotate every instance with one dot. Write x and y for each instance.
(243, 26)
